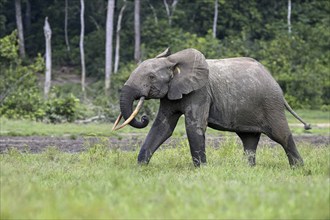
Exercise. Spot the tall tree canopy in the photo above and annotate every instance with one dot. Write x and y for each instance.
(293, 44)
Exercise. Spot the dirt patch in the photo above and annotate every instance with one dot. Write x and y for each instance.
(37, 144)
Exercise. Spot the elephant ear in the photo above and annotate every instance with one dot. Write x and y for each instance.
(166, 53)
(190, 72)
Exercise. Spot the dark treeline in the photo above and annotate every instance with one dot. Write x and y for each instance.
(293, 44)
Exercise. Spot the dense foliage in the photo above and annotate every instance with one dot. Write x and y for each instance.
(256, 28)
(20, 93)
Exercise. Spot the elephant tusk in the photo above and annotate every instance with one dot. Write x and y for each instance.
(135, 112)
(117, 121)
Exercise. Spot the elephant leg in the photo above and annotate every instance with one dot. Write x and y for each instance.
(250, 142)
(196, 138)
(195, 127)
(160, 131)
(280, 132)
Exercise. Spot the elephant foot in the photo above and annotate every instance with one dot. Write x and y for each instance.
(144, 157)
(252, 162)
(251, 157)
(199, 162)
(295, 162)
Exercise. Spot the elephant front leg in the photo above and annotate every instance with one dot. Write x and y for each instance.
(160, 131)
(195, 128)
(196, 137)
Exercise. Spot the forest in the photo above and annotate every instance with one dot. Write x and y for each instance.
(291, 38)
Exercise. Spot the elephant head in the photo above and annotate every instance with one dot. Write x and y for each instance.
(166, 75)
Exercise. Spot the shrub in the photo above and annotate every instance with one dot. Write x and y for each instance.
(20, 96)
(60, 109)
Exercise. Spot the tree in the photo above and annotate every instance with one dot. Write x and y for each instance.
(215, 18)
(66, 26)
(48, 55)
(153, 12)
(27, 19)
(170, 8)
(108, 44)
(19, 23)
(117, 56)
(251, 28)
(137, 31)
(81, 45)
(289, 16)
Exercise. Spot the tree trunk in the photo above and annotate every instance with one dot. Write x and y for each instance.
(48, 56)
(289, 16)
(81, 45)
(154, 13)
(108, 44)
(27, 19)
(215, 18)
(20, 31)
(137, 31)
(170, 10)
(66, 26)
(117, 56)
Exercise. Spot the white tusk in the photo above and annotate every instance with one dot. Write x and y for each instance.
(117, 121)
(135, 112)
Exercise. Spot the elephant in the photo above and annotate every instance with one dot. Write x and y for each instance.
(233, 94)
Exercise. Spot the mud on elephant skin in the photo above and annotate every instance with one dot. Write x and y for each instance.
(235, 94)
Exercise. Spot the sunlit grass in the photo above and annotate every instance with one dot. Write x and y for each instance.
(30, 128)
(310, 116)
(103, 183)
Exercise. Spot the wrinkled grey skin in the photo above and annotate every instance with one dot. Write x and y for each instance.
(235, 94)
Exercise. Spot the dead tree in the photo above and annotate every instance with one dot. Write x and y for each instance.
(117, 56)
(48, 57)
(66, 26)
(81, 45)
(108, 44)
(137, 31)
(289, 16)
(215, 18)
(170, 8)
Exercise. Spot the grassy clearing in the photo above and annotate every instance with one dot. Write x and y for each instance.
(100, 183)
(313, 117)
(310, 116)
(29, 128)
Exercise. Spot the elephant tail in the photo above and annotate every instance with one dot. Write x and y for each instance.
(287, 106)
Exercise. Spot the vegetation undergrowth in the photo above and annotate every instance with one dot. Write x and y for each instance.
(102, 183)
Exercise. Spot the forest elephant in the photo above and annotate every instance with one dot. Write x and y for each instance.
(234, 94)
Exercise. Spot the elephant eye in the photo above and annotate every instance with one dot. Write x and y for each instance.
(151, 76)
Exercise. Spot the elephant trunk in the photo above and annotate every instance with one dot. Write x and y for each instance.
(127, 97)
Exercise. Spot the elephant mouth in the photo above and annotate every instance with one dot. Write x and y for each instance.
(130, 118)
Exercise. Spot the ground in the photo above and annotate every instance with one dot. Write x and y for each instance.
(37, 144)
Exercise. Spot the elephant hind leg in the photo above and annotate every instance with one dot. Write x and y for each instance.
(281, 133)
(250, 142)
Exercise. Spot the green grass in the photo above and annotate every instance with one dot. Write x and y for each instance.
(30, 128)
(310, 116)
(313, 117)
(102, 183)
